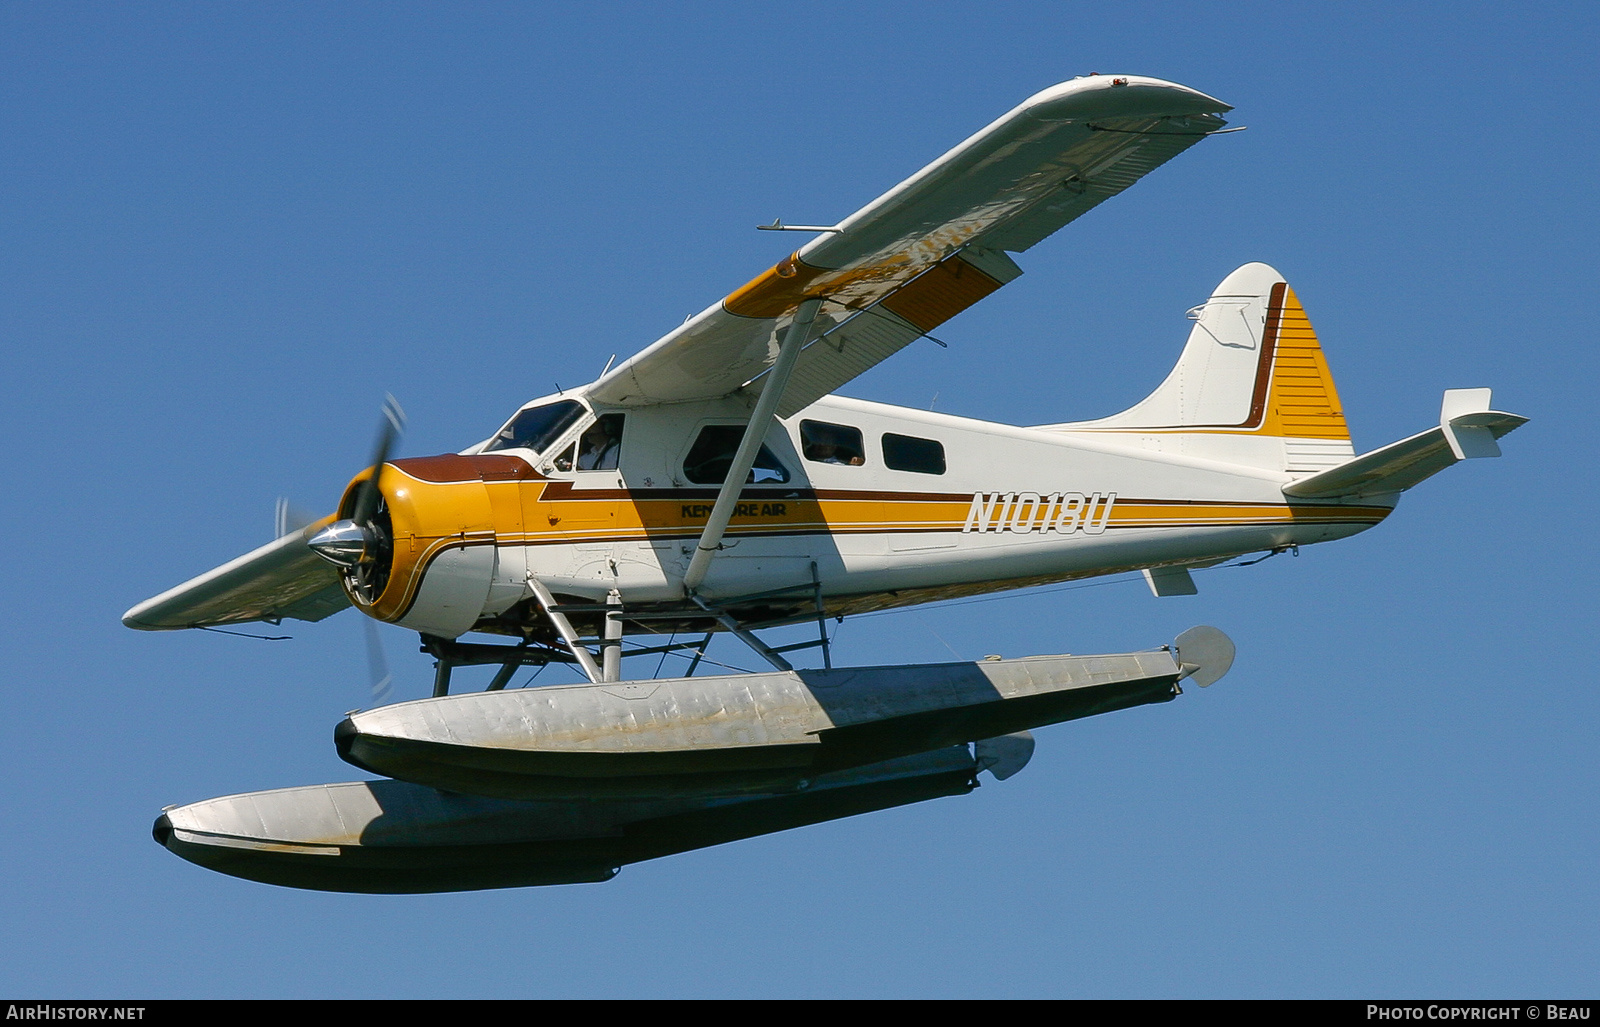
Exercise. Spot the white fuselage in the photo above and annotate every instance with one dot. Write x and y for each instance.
(1012, 506)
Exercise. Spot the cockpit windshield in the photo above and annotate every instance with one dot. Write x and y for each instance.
(537, 427)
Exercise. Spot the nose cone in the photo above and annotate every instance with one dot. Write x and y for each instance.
(342, 543)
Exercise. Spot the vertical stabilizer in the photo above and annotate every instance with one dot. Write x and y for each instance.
(1251, 387)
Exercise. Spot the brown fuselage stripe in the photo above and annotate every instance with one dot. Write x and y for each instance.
(1269, 343)
(452, 468)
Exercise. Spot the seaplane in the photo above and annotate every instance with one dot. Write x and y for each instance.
(715, 484)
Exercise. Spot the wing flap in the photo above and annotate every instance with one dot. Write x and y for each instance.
(1059, 154)
(874, 334)
(843, 353)
(282, 579)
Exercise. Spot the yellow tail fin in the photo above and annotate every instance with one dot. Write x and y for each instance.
(1251, 387)
(1297, 399)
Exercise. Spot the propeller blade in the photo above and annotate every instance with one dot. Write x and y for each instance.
(390, 426)
(289, 517)
(377, 662)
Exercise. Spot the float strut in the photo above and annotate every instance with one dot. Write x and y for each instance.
(504, 674)
(564, 627)
(611, 644)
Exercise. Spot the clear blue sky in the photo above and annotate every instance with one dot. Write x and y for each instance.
(229, 229)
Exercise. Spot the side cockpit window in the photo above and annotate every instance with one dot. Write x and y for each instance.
(600, 447)
(537, 427)
(832, 443)
(712, 454)
(597, 449)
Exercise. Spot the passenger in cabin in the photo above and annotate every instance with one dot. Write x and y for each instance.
(825, 443)
(827, 453)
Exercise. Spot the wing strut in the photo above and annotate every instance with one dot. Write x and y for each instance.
(760, 419)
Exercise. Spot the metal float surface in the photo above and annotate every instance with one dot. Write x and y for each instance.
(733, 733)
(393, 837)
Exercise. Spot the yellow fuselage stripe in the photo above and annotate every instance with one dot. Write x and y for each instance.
(430, 517)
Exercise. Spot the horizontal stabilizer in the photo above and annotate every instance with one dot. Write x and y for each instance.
(282, 579)
(1467, 429)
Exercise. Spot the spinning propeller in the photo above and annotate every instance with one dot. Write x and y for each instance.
(361, 544)
(358, 544)
(377, 662)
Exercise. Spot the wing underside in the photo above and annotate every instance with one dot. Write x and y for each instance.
(283, 579)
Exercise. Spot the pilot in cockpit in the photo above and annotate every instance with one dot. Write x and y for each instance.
(598, 449)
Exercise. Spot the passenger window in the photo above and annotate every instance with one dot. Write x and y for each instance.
(832, 443)
(600, 446)
(712, 454)
(905, 453)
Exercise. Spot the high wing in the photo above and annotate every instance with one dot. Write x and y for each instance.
(282, 579)
(889, 274)
(927, 249)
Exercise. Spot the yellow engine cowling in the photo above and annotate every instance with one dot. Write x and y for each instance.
(442, 524)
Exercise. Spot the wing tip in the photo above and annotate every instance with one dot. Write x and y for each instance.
(1136, 94)
(131, 620)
